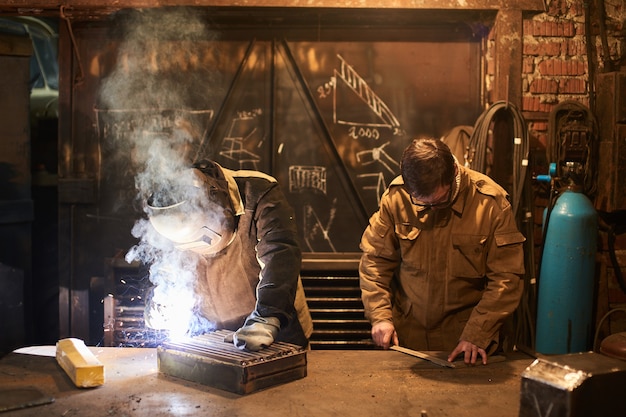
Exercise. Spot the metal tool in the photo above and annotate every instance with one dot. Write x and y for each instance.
(423, 355)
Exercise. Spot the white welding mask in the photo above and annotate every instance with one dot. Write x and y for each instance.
(196, 215)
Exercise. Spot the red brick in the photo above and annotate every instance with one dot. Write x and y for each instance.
(578, 30)
(530, 49)
(540, 29)
(527, 27)
(536, 104)
(540, 126)
(562, 67)
(576, 68)
(544, 86)
(546, 107)
(550, 48)
(559, 67)
(528, 65)
(552, 29)
(574, 48)
(530, 103)
(546, 67)
(572, 86)
(542, 48)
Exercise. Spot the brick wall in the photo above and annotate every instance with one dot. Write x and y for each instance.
(556, 67)
(555, 63)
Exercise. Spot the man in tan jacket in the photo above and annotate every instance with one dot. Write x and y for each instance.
(442, 258)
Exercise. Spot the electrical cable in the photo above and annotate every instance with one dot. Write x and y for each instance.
(597, 333)
(522, 196)
(480, 137)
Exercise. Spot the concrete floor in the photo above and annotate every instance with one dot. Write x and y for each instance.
(338, 383)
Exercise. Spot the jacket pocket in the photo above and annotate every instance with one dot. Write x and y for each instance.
(406, 231)
(406, 235)
(510, 252)
(468, 256)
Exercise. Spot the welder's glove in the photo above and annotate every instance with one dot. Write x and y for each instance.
(256, 333)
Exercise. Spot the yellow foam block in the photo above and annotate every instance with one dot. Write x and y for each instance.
(83, 368)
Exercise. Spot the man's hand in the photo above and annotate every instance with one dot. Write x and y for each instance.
(470, 351)
(384, 334)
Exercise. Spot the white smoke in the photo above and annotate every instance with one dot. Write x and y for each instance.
(160, 72)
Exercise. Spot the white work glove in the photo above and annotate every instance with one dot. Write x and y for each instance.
(257, 333)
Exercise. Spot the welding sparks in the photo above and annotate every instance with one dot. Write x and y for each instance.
(150, 115)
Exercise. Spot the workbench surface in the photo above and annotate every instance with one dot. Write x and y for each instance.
(338, 383)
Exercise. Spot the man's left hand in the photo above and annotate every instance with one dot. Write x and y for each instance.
(470, 351)
(257, 333)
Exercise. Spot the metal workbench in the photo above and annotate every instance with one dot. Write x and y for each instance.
(338, 383)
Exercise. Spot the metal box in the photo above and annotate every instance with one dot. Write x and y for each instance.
(574, 385)
(208, 360)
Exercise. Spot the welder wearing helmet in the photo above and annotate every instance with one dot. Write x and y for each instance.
(243, 231)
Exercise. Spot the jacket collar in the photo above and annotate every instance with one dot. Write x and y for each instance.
(459, 203)
(233, 191)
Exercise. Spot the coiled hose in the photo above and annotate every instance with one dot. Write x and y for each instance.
(522, 196)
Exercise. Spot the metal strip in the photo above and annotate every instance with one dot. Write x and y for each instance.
(424, 356)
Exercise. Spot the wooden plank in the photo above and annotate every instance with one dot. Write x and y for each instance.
(41, 6)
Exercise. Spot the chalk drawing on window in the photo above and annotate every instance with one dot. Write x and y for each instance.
(378, 181)
(350, 78)
(303, 178)
(378, 156)
(316, 232)
(243, 129)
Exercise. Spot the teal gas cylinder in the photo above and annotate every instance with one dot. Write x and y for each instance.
(566, 279)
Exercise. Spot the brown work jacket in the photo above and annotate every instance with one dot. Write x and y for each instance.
(259, 270)
(443, 275)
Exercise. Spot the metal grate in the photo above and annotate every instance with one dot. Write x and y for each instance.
(123, 304)
(331, 285)
(208, 360)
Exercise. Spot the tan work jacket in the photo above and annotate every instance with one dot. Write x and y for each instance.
(443, 275)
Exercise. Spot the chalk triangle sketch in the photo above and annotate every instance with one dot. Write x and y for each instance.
(352, 90)
(239, 139)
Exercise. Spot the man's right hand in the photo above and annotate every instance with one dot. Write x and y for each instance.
(384, 334)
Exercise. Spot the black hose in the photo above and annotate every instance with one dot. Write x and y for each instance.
(521, 196)
(478, 146)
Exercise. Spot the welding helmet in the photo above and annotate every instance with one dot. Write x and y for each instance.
(194, 210)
